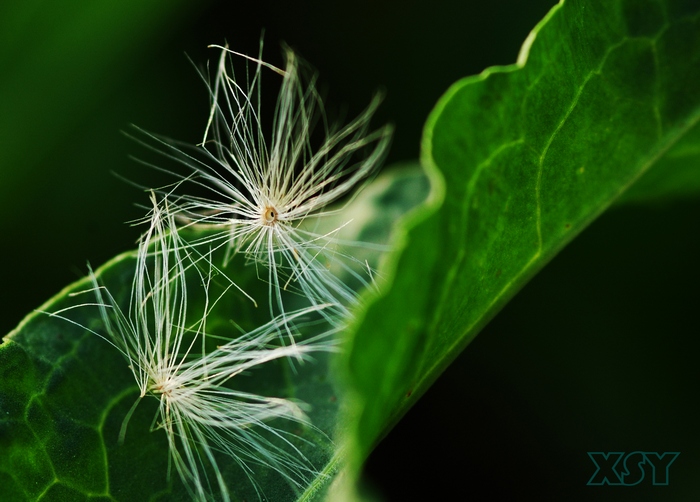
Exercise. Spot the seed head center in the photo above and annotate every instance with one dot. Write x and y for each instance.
(161, 388)
(269, 215)
(164, 385)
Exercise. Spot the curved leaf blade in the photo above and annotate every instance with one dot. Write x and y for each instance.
(522, 159)
(65, 392)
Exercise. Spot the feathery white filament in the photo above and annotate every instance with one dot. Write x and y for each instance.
(202, 415)
(260, 192)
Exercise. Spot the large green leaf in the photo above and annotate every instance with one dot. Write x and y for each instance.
(64, 392)
(522, 158)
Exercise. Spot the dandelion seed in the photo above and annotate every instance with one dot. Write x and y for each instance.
(259, 193)
(202, 415)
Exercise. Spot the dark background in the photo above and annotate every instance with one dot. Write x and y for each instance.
(597, 353)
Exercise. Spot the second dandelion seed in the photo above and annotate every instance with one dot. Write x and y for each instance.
(209, 422)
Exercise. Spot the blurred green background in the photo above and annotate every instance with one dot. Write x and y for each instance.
(76, 73)
(596, 354)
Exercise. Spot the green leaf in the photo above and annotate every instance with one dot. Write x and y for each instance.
(65, 392)
(521, 159)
